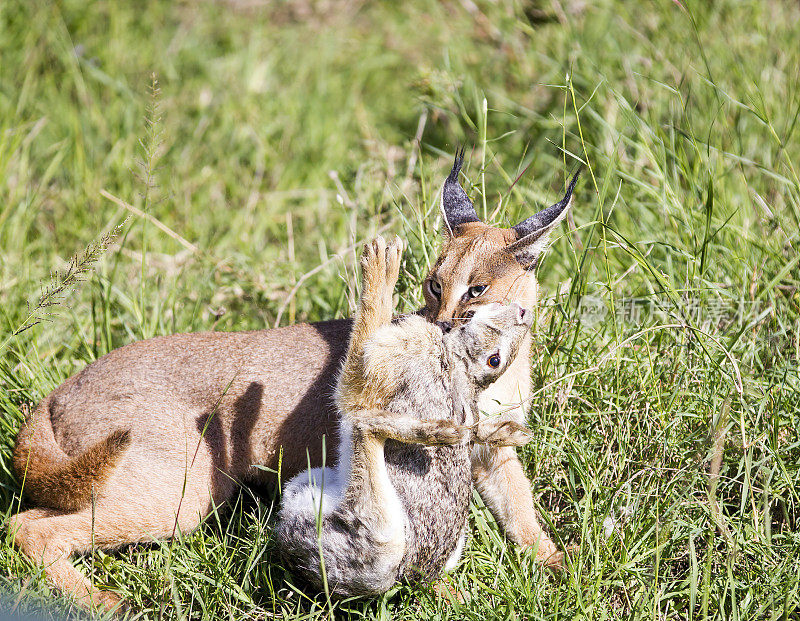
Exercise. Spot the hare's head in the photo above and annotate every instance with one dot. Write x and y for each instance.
(481, 264)
(488, 342)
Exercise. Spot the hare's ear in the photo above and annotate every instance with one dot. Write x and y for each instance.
(533, 234)
(456, 207)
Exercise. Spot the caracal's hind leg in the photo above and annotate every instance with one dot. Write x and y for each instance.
(380, 267)
(49, 538)
(139, 502)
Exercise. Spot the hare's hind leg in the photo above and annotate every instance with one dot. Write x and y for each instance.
(375, 549)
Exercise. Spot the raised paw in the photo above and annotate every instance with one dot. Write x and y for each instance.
(373, 265)
(394, 252)
(499, 432)
(380, 266)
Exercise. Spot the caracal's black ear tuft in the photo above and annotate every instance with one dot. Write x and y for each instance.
(533, 234)
(457, 209)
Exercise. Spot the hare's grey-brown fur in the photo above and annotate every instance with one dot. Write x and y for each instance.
(159, 431)
(395, 506)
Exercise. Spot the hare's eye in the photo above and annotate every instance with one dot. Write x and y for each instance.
(494, 361)
(435, 287)
(476, 291)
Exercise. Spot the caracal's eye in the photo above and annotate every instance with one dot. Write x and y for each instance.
(435, 287)
(476, 291)
(494, 361)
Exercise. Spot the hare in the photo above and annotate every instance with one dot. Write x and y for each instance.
(395, 505)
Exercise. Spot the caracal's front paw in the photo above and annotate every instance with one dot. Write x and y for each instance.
(548, 554)
(558, 560)
(449, 593)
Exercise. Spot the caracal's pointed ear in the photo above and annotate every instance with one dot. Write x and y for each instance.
(456, 207)
(533, 234)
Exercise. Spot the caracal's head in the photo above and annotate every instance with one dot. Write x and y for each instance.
(481, 264)
(487, 343)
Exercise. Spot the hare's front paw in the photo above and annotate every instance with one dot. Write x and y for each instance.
(394, 252)
(380, 264)
(373, 265)
(445, 433)
(500, 432)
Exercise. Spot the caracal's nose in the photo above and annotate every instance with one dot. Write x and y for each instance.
(446, 326)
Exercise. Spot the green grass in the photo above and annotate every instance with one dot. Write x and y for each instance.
(281, 134)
